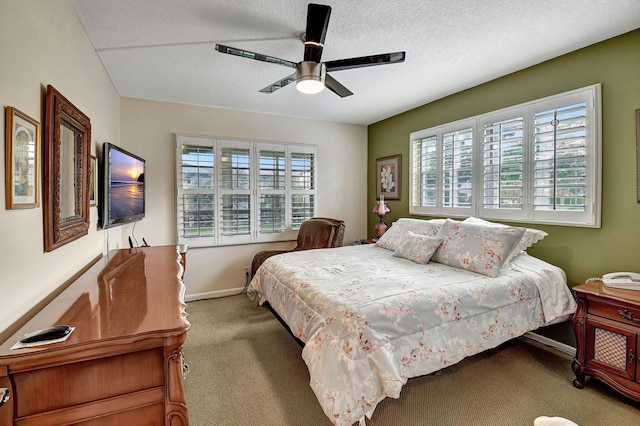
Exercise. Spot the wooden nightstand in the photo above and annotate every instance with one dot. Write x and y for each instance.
(365, 241)
(607, 328)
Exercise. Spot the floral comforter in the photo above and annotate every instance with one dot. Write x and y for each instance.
(370, 320)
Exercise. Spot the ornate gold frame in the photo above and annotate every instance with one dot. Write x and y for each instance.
(65, 196)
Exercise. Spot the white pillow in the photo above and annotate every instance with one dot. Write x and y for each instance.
(476, 247)
(417, 248)
(399, 229)
(530, 237)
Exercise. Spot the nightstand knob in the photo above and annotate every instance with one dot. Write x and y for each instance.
(628, 315)
(631, 356)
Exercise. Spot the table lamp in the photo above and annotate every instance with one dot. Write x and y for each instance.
(380, 209)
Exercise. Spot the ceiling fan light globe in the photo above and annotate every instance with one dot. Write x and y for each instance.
(310, 78)
(309, 87)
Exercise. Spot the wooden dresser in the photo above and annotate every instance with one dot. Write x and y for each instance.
(607, 328)
(122, 365)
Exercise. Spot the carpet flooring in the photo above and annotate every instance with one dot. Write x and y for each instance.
(246, 369)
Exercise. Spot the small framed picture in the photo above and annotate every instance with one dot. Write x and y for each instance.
(93, 181)
(388, 172)
(22, 160)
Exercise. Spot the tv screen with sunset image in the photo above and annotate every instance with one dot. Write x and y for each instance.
(125, 186)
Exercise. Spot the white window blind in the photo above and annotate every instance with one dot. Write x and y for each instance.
(442, 170)
(303, 187)
(196, 182)
(537, 162)
(425, 165)
(234, 192)
(272, 187)
(457, 156)
(502, 164)
(239, 192)
(560, 158)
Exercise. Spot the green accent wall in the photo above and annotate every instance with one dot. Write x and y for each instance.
(581, 252)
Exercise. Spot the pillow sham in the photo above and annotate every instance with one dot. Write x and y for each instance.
(417, 248)
(476, 247)
(530, 237)
(425, 223)
(398, 231)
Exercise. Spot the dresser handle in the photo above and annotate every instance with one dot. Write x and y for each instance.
(4, 396)
(628, 315)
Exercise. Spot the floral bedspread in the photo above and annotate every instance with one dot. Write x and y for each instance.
(370, 320)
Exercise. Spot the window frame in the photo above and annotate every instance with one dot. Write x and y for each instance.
(254, 192)
(590, 217)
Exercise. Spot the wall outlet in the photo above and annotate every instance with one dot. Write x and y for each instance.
(246, 270)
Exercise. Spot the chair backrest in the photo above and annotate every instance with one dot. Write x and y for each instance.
(320, 232)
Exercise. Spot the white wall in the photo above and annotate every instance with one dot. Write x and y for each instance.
(42, 42)
(148, 129)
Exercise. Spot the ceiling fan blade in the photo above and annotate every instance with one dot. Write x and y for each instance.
(337, 88)
(317, 23)
(279, 84)
(252, 55)
(365, 61)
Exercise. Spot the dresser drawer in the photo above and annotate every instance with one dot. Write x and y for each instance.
(615, 311)
(78, 383)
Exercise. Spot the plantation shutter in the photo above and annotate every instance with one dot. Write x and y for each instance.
(272, 184)
(457, 169)
(195, 190)
(239, 192)
(234, 192)
(502, 164)
(537, 162)
(560, 159)
(303, 184)
(424, 155)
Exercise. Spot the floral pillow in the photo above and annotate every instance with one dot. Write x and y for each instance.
(476, 247)
(417, 248)
(399, 229)
(530, 237)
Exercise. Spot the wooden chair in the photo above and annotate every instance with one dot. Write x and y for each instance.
(315, 233)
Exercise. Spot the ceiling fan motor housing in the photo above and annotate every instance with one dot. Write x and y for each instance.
(310, 76)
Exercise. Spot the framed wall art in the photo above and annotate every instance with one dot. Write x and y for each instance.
(22, 160)
(388, 172)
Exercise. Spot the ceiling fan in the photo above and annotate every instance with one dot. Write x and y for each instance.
(311, 75)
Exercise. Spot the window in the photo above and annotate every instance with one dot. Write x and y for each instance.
(537, 162)
(240, 192)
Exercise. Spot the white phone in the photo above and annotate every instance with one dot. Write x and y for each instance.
(625, 280)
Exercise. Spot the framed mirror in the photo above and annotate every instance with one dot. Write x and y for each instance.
(66, 157)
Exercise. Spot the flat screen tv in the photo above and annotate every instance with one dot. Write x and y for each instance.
(121, 188)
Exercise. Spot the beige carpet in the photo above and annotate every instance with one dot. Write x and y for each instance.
(245, 369)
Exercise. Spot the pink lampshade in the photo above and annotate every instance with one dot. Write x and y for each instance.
(380, 208)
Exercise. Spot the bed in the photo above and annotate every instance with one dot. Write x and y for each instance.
(427, 295)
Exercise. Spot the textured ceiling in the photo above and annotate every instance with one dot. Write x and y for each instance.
(165, 49)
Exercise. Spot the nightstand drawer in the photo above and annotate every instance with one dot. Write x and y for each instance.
(614, 311)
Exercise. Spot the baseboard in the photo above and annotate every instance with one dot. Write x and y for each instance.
(562, 347)
(213, 294)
